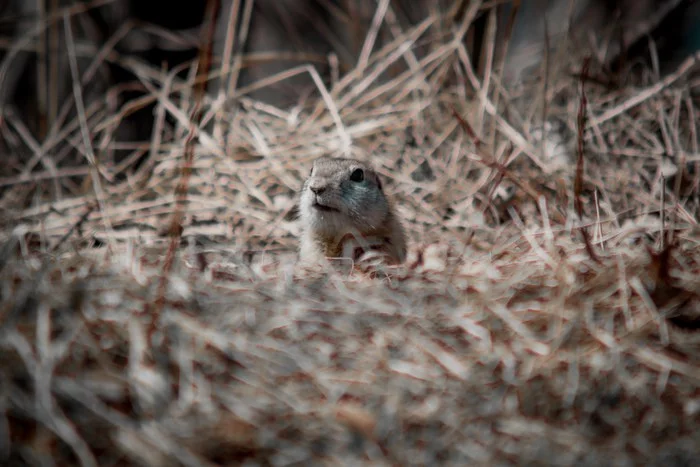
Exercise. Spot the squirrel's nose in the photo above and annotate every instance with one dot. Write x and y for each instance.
(317, 189)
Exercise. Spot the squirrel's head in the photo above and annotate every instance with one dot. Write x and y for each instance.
(340, 195)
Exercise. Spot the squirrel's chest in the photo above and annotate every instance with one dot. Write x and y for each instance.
(350, 246)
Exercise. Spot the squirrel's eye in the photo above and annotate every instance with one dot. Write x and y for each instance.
(312, 172)
(357, 175)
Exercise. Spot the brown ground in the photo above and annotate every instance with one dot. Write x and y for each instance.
(543, 318)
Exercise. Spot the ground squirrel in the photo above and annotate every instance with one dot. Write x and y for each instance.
(344, 212)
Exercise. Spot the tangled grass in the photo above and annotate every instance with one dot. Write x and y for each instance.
(547, 314)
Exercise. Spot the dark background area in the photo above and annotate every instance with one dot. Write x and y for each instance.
(165, 34)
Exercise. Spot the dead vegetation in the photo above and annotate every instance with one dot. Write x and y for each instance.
(548, 314)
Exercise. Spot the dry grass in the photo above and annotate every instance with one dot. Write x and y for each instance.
(507, 338)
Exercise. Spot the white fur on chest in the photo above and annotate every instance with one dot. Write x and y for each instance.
(354, 247)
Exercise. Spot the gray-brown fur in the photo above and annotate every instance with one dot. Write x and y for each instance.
(342, 200)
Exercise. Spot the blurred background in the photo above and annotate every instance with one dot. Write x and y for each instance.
(276, 35)
(507, 340)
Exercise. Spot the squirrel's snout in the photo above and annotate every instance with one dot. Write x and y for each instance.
(317, 189)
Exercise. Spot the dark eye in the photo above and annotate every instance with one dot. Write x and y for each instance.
(312, 171)
(357, 175)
